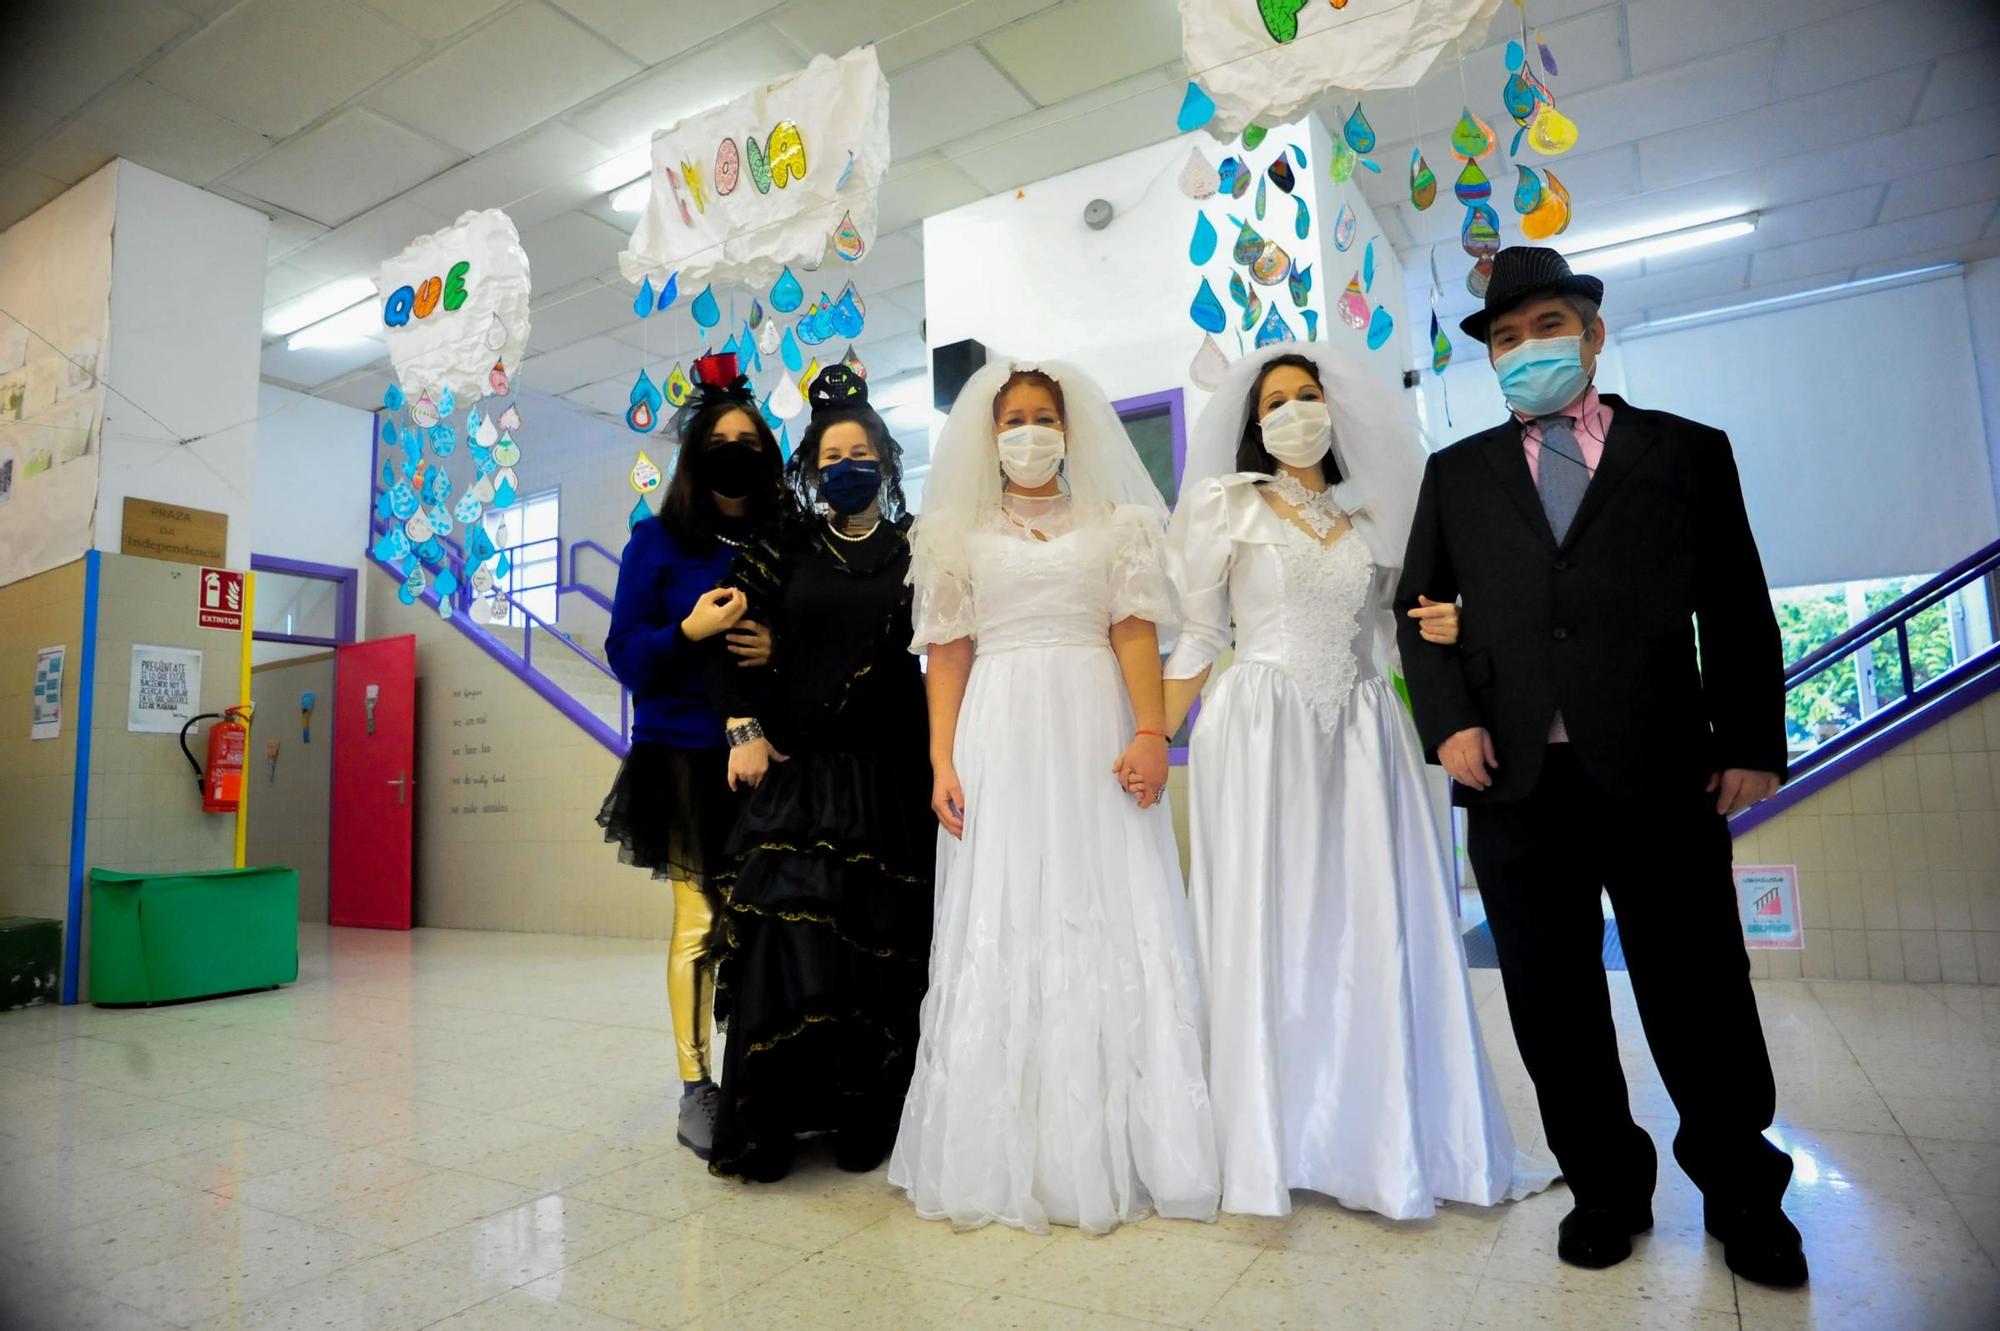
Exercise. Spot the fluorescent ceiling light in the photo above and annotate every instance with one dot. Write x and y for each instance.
(291, 315)
(1668, 242)
(631, 198)
(620, 170)
(359, 322)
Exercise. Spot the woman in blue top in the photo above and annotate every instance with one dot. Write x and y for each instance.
(671, 808)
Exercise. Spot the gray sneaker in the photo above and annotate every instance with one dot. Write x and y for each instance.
(697, 1125)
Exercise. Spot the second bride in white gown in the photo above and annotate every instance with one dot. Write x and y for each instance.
(1345, 1049)
(1059, 1069)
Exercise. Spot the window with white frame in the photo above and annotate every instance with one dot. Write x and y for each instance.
(527, 533)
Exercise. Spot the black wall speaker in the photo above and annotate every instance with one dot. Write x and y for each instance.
(951, 366)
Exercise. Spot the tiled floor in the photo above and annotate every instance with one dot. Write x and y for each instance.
(476, 1130)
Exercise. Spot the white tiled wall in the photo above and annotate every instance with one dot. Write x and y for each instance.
(1899, 861)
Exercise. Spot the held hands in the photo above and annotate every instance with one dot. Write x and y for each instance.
(948, 800)
(1436, 620)
(1737, 788)
(1469, 757)
(1142, 769)
(751, 761)
(750, 644)
(715, 612)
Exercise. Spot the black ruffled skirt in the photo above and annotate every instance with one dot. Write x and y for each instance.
(822, 950)
(671, 810)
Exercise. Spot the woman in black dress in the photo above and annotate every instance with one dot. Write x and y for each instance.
(823, 940)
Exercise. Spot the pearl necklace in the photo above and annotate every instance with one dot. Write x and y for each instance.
(1315, 509)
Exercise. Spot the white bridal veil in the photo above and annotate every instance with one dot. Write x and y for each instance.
(1374, 441)
(1101, 469)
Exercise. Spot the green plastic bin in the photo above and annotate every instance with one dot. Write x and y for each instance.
(159, 938)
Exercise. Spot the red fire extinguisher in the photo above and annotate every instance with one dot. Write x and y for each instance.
(228, 742)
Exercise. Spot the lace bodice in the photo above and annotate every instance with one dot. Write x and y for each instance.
(1042, 575)
(1301, 606)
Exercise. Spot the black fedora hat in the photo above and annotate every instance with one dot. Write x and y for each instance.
(1523, 272)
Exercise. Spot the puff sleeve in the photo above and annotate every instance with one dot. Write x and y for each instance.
(1198, 552)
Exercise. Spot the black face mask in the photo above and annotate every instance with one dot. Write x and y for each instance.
(732, 469)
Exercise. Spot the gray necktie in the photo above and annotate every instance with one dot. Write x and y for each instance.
(1561, 476)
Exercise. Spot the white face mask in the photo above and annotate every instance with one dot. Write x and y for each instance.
(1030, 455)
(1298, 433)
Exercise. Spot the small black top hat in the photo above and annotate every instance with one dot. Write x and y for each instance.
(1522, 272)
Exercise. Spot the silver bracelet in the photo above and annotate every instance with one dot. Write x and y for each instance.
(740, 735)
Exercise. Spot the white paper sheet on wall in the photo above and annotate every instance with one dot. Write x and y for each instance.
(165, 690)
(45, 701)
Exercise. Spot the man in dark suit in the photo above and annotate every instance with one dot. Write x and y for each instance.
(1617, 691)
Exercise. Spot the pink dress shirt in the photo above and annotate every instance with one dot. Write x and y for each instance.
(1593, 423)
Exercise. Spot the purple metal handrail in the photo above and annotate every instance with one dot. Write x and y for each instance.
(1900, 611)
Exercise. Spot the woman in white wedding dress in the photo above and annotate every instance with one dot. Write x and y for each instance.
(1059, 1070)
(1345, 1054)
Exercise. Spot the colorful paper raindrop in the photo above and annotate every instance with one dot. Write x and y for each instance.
(1368, 266)
(1471, 138)
(707, 312)
(1341, 166)
(1274, 329)
(1209, 365)
(1552, 133)
(1519, 98)
(1515, 55)
(1353, 305)
(1233, 177)
(1261, 195)
(1358, 133)
(786, 293)
(1199, 180)
(640, 512)
(1302, 219)
(1202, 247)
(1253, 134)
(1311, 318)
(1380, 325)
(642, 304)
(789, 353)
(1472, 186)
(1440, 346)
(1480, 235)
(853, 362)
(447, 402)
(1197, 109)
(497, 379)
(1527, 189)
(1343, 228)
(1206, 310)
(1548, 56)
(424, 412)
(1551, 215)
(1280, 174)
(1248, 243)
(847, 241)
(444, 440)
(646, 475)
(1300, 283)
(1477, 279)
(467, 510)
(1246, 296)
(1272, 265)
(1423, 183)
(644, 413)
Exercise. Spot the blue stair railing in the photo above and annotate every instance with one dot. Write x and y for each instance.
(1906, 694)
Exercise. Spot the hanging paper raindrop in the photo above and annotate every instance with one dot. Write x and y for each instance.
(1515, 55)
(706, 312)
(678, 389)
(392, 397)
(467, 509)
(640, 512)
(447, 403)
(503, 497)
(1551, 215)
(1299, 156)
(1206, 310)
(806, 380)
(671, 291)
(1274, 329)
(1343, 228)
(1358, 133)
(644, 413)
(1341, 167)
(1481, 275)
(1312, 324)
(1353, 305)
(424, 412)
(1209, 365)
(767, 337)
(1480, 236)
(646, 475)
(1272, 265)
(1233, 177)
(642, 305)
(1197, 109)
(789, 353)
(1527, 189)
(786, 293)
(846, 315)
(1471, 138)
(1423, 183)
(1300, 283)
(1548, 56)
(1261, 182)
(1199, 180)
(1472, 186)
(847, 241)
(1552, 133)
(1440, 346)
(496, 379)
(1380, 325)
(1519, 98)
(1302, 219)
(389, 431)
(444, 440)
(1253, 134)
(1280, 174)
(1248, 243)
(1202, 247)
(853, 362)
(1246, 296)
(1368, 266)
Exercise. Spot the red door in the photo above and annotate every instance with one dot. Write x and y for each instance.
(374, 791)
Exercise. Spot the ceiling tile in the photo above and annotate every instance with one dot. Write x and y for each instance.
(58, 56)
(22, 191)
(631, 115)
(1671, 32)
(1944, 188)
(640, 26)
(579, 363)
(527, 65)
(606, 397)
(150, 126)
(533, 178)
(946, 98)
(1840, 49)
(1826, 215)
(895, 259)
(1657, 103)
(313, 367)
(359, 246)
(1968, 252)
(289, 232)
(894, 311)
(362, 391)
(570, 316)
(568, 248)
(1962, 137)
(434, 20)
(904, 31)
(1066, 51)
(914, 190)
(1961, 81)
(328, 51)
(1679, 305)
(344, 167)
(1889, 241)
(282, 281)
(1131, 114)
(1628, 292)
(1800, 124)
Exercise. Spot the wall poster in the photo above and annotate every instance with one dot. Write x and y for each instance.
(166, 689)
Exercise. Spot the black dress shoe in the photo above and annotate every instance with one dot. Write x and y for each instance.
(1760, 1243)
(1596, 1237)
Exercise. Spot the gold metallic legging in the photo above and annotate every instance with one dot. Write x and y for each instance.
(688, 989)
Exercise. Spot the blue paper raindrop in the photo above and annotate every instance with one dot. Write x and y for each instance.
(786, 293)
(671, 291)
(1202, 248)
(1302, 221)
(1368, 267)
(706, 312)
(1197, 109)
(1207, 311)
(642, 304)
(393, 398)
(845, 317)
(788, 351)
(1379, 328)
(640, 512)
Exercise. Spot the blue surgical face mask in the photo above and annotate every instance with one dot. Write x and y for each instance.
(850, 485)
(1543, 376)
